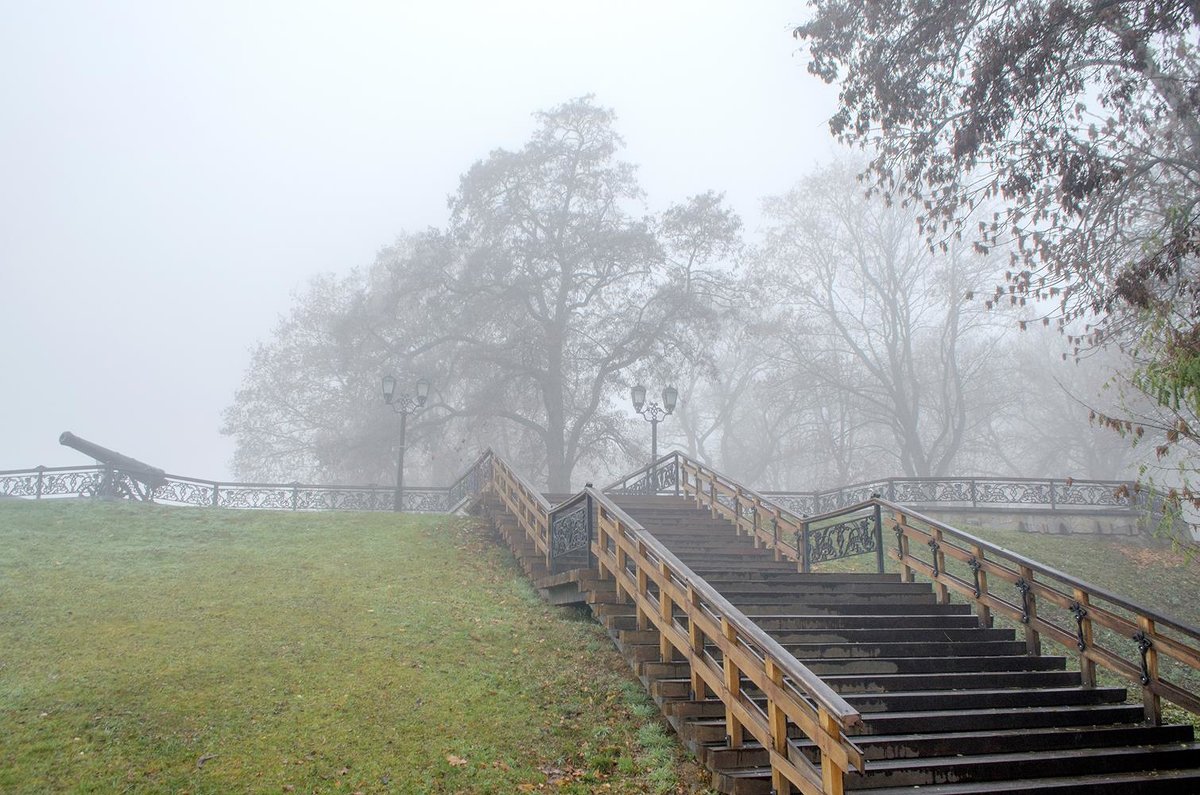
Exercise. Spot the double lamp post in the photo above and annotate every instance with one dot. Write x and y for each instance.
(403, 405)
(406, 404)
(654, 413)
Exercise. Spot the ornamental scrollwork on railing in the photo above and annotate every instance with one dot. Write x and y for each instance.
(966, 492)
(426, 500)
(661, 478)
(20, 485)
(797, 504)
(842, 540)
(183, 492)
(277, 498)
(570, 531)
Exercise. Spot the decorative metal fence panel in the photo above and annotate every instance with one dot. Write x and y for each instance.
(571, 535)
(994, 493)
(857, 536)
(59, 482)
(660, 478)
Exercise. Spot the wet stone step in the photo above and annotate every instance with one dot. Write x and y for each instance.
(927, 700)
(824, 651)
(876, 683)
(1001, 718)
(882, 635)
(906, 747)
(1026, 764)
(834, 607)
(754, 781)
(825, 588)
(920, 665)
(836, 622)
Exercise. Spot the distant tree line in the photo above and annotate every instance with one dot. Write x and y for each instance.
(837, 346)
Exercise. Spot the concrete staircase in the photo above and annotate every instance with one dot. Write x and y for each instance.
(948, 706)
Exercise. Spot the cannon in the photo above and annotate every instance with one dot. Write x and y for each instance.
(115, 464)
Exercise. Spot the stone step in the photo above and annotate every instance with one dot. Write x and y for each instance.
(774, 623)
(680, 686)
(872, 635)
(921, 665)
(1129, 771)
(828, 606)
(852, 589)
(926, 745)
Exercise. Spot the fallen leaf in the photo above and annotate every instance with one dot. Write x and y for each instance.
(455, 760)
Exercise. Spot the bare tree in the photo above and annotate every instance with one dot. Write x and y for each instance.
(870, 312)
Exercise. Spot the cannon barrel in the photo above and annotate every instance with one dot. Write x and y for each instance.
(142, 472)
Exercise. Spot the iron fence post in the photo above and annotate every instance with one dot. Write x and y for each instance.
(40, 470)
(878, 538)
(805, 554)
(295, 494)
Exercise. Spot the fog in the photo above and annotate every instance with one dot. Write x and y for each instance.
(172, 174)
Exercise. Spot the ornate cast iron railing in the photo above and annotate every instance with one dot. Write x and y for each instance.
(661, 477)
(87, 481)
(973, 493)
(571, 531)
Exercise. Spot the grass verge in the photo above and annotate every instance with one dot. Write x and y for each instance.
(150, 649)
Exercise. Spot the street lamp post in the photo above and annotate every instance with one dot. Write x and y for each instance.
(403, 405)
(653, 413)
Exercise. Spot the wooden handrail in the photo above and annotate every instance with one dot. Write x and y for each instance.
(636, 561)
(1089, 605)
(1041, 568)
(1143, 642)
(685, 576)
(695, 621)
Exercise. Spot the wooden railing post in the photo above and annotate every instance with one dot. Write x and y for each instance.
(985, 612)
(777, 721)
(833, 778)
(733, 686)
(643, 586)
(1033, 640)
(696, 641)
(666, 609)
(1087, 666)
(906, 572)
(939, 565)
(1145, 641)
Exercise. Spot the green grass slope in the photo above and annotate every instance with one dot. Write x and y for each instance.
(150, 649)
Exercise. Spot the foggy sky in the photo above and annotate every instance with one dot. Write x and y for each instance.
(169, 175)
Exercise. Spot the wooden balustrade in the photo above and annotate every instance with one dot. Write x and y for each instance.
(524, 502)
(728, 656)
(1006, 584)
(1106, 630)
(765, 690)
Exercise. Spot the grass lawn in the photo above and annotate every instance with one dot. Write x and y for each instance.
(145, 648)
